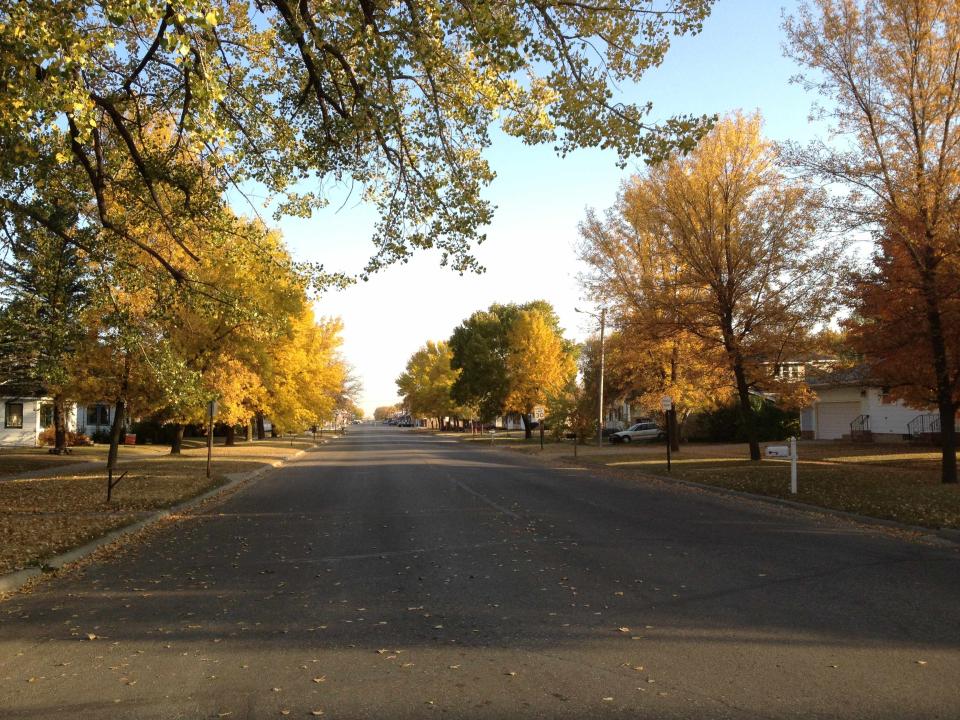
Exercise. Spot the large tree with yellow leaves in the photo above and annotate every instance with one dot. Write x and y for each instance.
(180, 100)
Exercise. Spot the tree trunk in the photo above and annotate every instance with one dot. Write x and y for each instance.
(177, 439)
(945, 404)
(746, 409)
(60, 424)
(527, 430)
(261, 433)
(231, 435)
(248, 430)
(115, 429)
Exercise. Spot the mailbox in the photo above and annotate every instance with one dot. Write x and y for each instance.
(778, 451)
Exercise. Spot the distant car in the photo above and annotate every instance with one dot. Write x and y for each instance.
(640, 431)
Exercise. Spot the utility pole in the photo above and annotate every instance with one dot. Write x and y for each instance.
(602, 317)
(603, 320)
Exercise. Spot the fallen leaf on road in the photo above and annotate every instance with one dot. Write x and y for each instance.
(921, 662)
(608, 699)
(320, 679)
(284, 712)
(624, 629)
(316, 712)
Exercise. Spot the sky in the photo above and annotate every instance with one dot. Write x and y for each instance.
(530, 253)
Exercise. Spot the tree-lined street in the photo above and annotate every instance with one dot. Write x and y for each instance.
(393, 574)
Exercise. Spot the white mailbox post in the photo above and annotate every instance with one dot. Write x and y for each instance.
(787, 451)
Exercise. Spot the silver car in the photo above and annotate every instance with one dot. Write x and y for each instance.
(641, 431)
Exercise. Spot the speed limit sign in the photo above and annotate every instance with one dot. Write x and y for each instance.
(539, 412)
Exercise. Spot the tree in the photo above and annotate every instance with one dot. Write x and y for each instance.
(890, 71)
(426, 383)
(385, 412)
(719, 248)
(495, 376)
(397, 97)
(44, 290)
(540, 364)
(886, 300)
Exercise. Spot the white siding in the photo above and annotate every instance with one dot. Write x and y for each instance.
(889, 418)
(27, 435)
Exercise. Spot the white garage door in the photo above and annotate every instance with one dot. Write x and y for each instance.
(834, 418)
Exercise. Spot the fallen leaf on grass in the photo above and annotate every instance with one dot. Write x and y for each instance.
(91, 636)
(320, 679)
(316, 712)
(921, 662)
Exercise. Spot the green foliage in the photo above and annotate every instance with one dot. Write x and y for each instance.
(725, 424)
(44, 289)
(397, 98)
(481, 347)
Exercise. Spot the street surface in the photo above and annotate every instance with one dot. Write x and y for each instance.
(396, 575)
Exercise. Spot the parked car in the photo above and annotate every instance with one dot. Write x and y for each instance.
(640, 431)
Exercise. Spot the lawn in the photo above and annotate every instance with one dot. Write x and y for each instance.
(40, 517)
(892, 482)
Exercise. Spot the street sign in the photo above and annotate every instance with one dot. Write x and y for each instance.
(539, 412)
(666, 402)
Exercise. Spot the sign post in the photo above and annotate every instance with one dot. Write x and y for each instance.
(666, 404)
(539, 413)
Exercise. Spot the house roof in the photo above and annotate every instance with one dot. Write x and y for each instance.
(858, 375)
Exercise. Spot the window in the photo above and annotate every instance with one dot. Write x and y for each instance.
(13, 415)
(46, 415)
(98, 415)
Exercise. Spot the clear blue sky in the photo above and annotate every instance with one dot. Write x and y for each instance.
(735, 63)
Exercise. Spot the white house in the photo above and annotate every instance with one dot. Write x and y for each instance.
(24, 418)
(850, 406)
(95, 417)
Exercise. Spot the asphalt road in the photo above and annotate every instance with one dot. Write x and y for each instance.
(395, 575)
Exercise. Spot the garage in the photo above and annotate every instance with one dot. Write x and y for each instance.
(834, 418)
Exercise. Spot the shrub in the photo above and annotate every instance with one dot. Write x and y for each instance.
(48, 437)
(101, 436)
(151, 432)
(724, 423)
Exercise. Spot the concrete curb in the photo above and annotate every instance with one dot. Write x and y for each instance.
(11, 582)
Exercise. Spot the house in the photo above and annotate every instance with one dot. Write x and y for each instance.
(622, 414)
(852, 406)
(25, 417)
(96, 418)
